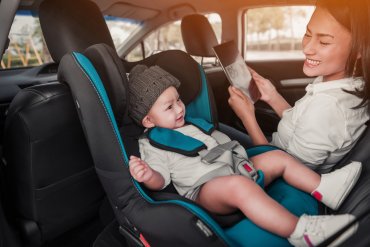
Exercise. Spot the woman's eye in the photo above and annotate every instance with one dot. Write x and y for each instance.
(324, 43)
(307, 35)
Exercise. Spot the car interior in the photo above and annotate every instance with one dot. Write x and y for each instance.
(62, 178)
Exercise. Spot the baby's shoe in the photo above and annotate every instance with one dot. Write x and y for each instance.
(335, 186)
(313, 230)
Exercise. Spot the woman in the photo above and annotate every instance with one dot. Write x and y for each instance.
(327, 122)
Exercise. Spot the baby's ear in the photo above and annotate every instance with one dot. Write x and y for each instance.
(147, 123)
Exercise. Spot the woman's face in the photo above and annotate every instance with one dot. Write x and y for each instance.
(326, 45)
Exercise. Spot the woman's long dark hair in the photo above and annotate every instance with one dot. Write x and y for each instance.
(354, 15)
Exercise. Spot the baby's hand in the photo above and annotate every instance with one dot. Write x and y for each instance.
(140, 170)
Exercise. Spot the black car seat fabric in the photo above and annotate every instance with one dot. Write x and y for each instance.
(70, 25)
(49, 167)
(131, 204)
(48, 162)
(68, 29)
(198, 35)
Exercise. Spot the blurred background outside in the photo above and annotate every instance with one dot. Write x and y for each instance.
(270, 33)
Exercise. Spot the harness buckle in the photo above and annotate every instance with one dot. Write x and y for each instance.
(246, 168)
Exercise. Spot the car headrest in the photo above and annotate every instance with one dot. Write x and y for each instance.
(72, 25)
(198, 35)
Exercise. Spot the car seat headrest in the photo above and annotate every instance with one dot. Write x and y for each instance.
(198, 35)
(72, 25)
(111, 71)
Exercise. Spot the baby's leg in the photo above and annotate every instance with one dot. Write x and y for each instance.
(224, 195)
(331, 188)
(277, 163)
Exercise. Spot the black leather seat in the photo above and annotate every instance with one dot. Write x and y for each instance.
(358, 202)
(52, 183)
(51, 180)
(198, 35)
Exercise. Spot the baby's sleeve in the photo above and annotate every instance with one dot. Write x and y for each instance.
(156, 158)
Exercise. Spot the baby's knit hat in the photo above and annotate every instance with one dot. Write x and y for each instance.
(145, 86)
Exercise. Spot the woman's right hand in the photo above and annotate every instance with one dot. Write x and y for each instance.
(266, 88)
(269, 94)
(140, 170)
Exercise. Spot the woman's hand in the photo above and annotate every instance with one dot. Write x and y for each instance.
(269, 94)
(244, 109)
(140, 170)
(266, 88)
(240, 103)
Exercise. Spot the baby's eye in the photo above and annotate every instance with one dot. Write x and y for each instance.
(307, 35)
(169, 107)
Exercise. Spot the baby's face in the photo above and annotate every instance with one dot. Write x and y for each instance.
(167, 112)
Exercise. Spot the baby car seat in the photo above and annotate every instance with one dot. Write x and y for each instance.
(157, 218)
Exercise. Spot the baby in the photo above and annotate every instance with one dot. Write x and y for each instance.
(219, 187)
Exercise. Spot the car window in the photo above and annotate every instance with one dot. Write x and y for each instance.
(121, 29)
(168, 37)
(27, 46)
(275, 32)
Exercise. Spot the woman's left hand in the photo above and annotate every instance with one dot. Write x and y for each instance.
(240, 103)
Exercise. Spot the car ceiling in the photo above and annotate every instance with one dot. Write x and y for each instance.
(143, 10)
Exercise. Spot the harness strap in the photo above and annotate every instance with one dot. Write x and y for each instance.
(228, 152)
(209, 156)
(240, 163)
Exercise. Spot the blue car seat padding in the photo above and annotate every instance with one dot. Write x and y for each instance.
(134, 210)
(168, 222)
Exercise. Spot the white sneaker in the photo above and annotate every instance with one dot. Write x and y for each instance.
(335, 186)
(312, 230)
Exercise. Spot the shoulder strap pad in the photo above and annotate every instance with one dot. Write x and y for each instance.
(171, 140)
(201, 124)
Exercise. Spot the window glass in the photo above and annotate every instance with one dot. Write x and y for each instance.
(27, 46)
(275, 32)
(168, 37)
(121, 29)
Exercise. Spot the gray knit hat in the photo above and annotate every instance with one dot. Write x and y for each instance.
(145, 86)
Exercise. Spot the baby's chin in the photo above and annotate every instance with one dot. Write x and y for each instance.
(180, 124)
